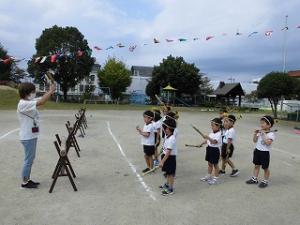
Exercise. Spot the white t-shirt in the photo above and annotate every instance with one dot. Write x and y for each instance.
(230, 133)
(150, 129)
(260, 145)
(27, 113)
(170, 143)
(157, 125)
(215, 136)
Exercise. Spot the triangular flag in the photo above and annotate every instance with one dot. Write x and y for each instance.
(156, 41)
(43, 59)
(6, 61)
(53, 58)
(110, 47)
(209, 37)
(97, 48)
(238, 33)
(285, 28)
(132, 48)
(195, 39)
(269, 33)
(79, 53)
(298, 26)
(169, 40)
(255, 32)
(120, 45)
(182, 39)
(37, 59)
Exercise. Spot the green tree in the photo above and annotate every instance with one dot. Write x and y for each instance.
(74, 61)
(275, 86)
(5, 68)
(115, 76)
(174, 71)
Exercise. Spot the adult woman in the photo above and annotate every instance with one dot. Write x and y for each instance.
(29, 126)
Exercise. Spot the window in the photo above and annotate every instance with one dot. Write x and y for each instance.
(92, 78)
(81, 88)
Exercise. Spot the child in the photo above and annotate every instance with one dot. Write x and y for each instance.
(261, 155)
(223, 114)
(148, 139)
(168, 158)
(227, 146)
(157, 127)
(214, 141)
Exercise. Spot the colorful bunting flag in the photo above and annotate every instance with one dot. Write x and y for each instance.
(53, 58)
(79, 54)
(97, 48)
(196, 39)
(209, 37)
(255, 32)
(132, 48)
(298, 26)
(37, 59)
(285, 28)
(182, 39)
(120, 45)
(269, 33)
(169, 40)
(43, 59)
(110, 47)
(6, 61)
(156, 41)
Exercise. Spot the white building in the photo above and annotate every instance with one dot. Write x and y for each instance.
(80, 88)
(140, 77)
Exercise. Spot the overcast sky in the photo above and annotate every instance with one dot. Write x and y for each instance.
(109, 22)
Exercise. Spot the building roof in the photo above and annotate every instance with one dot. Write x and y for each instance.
(96, 67)
(169, 88)
(295, 73)
(144, 71)
(231, 89)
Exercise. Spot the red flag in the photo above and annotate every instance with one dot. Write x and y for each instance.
(79, 53)
(97, 48)
(53, 58)
(209, 37)
(6, 61)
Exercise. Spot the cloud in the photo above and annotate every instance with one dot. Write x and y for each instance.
(108, 22)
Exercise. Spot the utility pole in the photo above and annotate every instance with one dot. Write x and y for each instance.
(284, 54)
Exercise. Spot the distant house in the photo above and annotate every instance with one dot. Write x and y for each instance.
(295, 73)
(140, 76)
(80, 88)
(227, 93)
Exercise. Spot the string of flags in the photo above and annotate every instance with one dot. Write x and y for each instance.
(63, 56)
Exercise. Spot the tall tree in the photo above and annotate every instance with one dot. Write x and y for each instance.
(174, 71)
(5, 66)
(71, 56)
(274, 86)
(115, 76)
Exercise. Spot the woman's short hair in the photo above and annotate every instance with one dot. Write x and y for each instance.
(25, 89)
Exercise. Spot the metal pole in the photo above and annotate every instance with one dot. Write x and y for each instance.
(284, 44)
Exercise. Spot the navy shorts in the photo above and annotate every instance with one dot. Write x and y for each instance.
(212, 155)
(261, 158)
(224, 151)
(169, 166)
(149, 150)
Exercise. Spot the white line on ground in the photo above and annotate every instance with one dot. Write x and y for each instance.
(8, 133)
(141, 180)
(288, 164)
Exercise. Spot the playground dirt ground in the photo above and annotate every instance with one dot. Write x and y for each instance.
(111, 189)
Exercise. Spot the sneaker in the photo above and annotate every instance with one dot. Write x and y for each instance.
(263, 184)
(165, 186)
(28, 185)
(156, 163)
(34, 183)
(206, 178)
(221, 172)
(234, 173)
(213, 181)
(146, 170)
(252, 180)
(166, 192)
